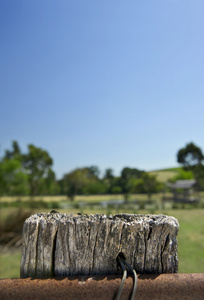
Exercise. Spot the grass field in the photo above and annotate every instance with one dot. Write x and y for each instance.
(89, 198)
(164, 175)
(10, 264)
(190, 238)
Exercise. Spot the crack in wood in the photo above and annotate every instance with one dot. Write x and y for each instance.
(53, 254)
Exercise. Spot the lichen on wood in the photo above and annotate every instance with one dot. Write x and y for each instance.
(58, 244)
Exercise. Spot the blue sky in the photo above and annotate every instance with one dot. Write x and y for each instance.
(106, 83)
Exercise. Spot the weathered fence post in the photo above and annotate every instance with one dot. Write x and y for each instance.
(58, 244)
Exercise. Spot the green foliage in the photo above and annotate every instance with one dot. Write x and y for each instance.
(116, 190)
(50, 186)
(14, 153)
(127, 180)
(182, 175)
(37, 163)
(109, 180)
(13, 181)
(150, 184)
(191, 158)
(136, 181)
(75, 181)
(83, 181)
(94, 187)
(29, 173)
(93, 172)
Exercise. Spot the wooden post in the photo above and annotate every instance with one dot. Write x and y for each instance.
(56, 244)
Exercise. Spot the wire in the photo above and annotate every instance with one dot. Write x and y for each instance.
(135, 279)
(123, 279)
(134, 286)
(123, 263)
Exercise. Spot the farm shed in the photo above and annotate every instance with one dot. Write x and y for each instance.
(184, 191)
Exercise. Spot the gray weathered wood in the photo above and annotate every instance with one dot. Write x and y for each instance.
(58, 244)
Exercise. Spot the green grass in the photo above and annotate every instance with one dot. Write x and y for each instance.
(176, 169)
(191, 241)
(10, 265)
(80, 198)
(164, 176)
(190, 238)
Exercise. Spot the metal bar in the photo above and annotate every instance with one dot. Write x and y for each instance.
(150, 286)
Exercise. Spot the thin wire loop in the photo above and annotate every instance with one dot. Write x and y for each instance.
(123, 263)
(135, 285)
(123, 279)
(135, 279)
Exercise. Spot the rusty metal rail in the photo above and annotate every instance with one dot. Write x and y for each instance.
(150, 286)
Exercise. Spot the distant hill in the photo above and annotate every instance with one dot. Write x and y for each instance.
(164, 175)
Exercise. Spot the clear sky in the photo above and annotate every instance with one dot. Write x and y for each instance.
(111, 83)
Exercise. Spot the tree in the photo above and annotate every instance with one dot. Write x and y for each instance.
(14, 153)
(13, 181)
(150, 184)
(93, 172)
(108, 174)
(37, 163)
(182, 175)
(50, 186)
(191, 158)
(28, 173)
(75, 181)
(109, 180)
(83, 181)
(127, 178)
(61, 186)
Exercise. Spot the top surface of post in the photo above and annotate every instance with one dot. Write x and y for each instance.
(58, 244)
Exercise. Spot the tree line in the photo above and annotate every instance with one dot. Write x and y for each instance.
(31, 174)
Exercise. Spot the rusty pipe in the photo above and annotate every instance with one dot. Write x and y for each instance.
(150, 286)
